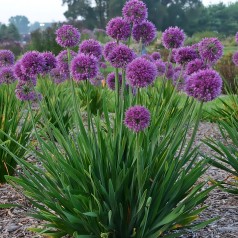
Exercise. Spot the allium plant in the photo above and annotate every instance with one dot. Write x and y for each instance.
(62, 60)
(235, 58)
(111, 81)
(50, 62)
(185, 55)
(194, 66)
(91, 47)
(108, 48)
(58, 76)
(156, 55)
(7, 75)
(6, 58)
(236, 37)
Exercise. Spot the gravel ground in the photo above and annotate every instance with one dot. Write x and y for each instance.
(14, 222)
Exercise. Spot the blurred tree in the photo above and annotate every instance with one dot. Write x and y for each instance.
(9, 33)
(21, 22)
(34, 26)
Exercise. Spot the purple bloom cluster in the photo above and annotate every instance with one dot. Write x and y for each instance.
(137, 118)
(237, 37)
(25, 91)
(135, 11)
(235, 58)
(141, 73)
(204, 85)
(97, 81)
(144, 32)
(19, 74)
(50, 62)
(108, 48)
(173, 37)
(161, 67)
(185, 55)
(111, 80)
(6, 58)
(91, 47)
(102, 65)
(155, 55)
(62, 60)
(84, 67)
(169, 73)
(7, 75)
(58, 76)
(194, 66)
(210, 50)
(67, 36)
(147, 57)
(118, 28)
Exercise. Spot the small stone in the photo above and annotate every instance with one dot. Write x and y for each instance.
(12, 227)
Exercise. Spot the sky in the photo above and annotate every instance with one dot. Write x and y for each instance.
(47, 10)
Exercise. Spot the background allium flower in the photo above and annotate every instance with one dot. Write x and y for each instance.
(50, 61)
(185, 55)
(156, 55)
(120, 56)
(169, 72)
(237, 37)
(7, 75)
(62, 60)
(91, 47)
(118, 28)
(161, 67)
(210, 50)
(108, 48)
(32, 63)
(102, 65)
(67, 36)
(178, 78)
(141, 73)
(6, 58)
(137, 118)
(58, 76)
(111, 80)
(147, 57)
(173, 55)
(97, 81)
(84, 67)
(135, 11)
(173, 37)
(204, 85)
(25, 91)
(194, 66)
(235, 58)
(145, 32)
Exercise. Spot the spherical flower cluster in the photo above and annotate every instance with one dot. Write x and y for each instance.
(144, 32)
(210, 50)
(118, 28)
(169, 73)
(147, 57)
(161, 67)
(7, 75)
(135, 11)
(185, 55)
(67, 36)
(111, 81)
(141, 73)
(6, 58)
(137, 118)
(84, 67)
(62, 60)
(155, 55)
(50, 62)
(25, 91)
(204, 85)
(19, 74)
(237, 37)
(235, 58)
(120, 56)
(194, 66)
(173, 37)
(91, 47)
(108, 48)
(58, 76)
(32, 63)
(102, 65)
(97, 81)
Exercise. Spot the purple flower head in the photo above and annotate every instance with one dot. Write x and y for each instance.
(84, 67)
(135, 11)
(173, 37)
(147, 57)
(120, 56)
(204, 85)
(6, 58)
(25, 91)
(210, 49)
(169, 73)
(97, 81)
(141, 73)
(156, 56)
(32, 63)
(118, 28)
(237, 37)
(235, 58)
(7, 75)
(91, 47)
(144, 32)
(62, 60)
(161, 67)
(50, 62)
(137, 118)
(58, 76)
(194, 66)
(185, 55)
(19, 74)
(67, 36)
(173, 55)
(195, 47)
(111, 81)
(102, 65)
(108, 48)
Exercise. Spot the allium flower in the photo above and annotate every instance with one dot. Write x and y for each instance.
(91, 47)
(237, 37)
(173, 37)
(185, 55)
(173, 55)
(135, 11)
(195, 47)
(67, 36)
(108, 48)
(210, 49)
(32, 63)
(118, 28)
(58, 76)
(235, 58)
(161, 67)
(120, 56)
(156, 56)
(62, 60)
(144, 32)
(19, 74)
(141, 73)
(97, 81)
(147, 57)
(111, 81)
(137, 118)
(102, 65)
(194, 66)
(50, 61)
(204, 85)
(25, 91)
(6, 58)
(169, 73)
(7, 75)
(84, 67)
